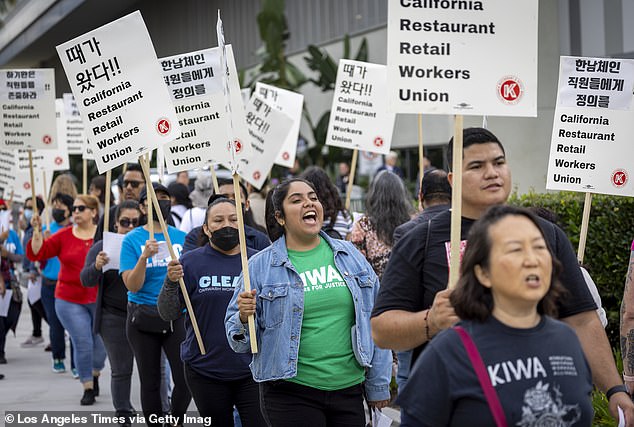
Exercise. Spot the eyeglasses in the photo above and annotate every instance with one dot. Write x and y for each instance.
(134, 184)
(79, 208)
(126, 222)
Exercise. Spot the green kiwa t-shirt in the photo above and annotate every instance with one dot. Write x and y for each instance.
(325, 359)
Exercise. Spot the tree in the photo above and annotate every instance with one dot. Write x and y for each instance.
(275, 69)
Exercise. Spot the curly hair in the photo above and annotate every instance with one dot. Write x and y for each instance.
(387, 205)
(326, 191)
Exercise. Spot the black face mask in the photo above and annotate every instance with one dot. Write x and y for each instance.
(59, 215)
(226, 238)
(166, 206)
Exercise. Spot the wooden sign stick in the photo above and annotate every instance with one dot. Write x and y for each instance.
(106, 211)
(32, 181)
(152, 196)
(585, 219)
(456, 203)
(353, 170)
(421, 155)
(85, 176)
(243, 256)
(47, 216)
(214, 179)
(148, 184)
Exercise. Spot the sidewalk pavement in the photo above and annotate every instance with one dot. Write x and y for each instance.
(31, 385)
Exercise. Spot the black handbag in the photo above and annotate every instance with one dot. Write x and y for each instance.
(146, 318)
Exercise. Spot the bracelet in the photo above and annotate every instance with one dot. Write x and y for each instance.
(616, 389)
(628, 377)
(427, 325)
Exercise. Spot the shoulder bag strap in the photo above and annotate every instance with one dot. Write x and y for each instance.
(485, 382)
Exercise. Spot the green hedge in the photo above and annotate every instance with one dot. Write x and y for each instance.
(610, 235)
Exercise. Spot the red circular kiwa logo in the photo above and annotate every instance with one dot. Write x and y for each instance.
(619, 178)
(256, 175)
(510, 90)
(378, 141)
(58, 160)
(47, 139)
(237, 146)
(285, 155)
(27, 185)
(163, 126)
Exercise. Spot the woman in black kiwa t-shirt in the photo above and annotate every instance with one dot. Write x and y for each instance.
(505, 297)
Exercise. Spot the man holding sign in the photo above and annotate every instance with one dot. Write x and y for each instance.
(413, 304)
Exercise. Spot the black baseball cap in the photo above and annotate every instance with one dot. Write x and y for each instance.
(157, 187)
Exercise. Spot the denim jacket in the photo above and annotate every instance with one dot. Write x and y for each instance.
(279, 313)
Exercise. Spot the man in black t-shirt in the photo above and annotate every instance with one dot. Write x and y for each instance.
(413, 303)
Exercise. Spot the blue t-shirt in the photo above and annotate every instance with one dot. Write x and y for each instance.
(156, 269)
(13, 245)
(210, 278)
(51, 269)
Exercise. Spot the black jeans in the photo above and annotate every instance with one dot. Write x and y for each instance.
(121, 359)
(215, 399)
(7, 322)
(286, 404)
(37, 314)
(147, 353)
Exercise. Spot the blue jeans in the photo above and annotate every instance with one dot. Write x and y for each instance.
(89, 351)
(56, 330)
(121, 360)
(402, 374)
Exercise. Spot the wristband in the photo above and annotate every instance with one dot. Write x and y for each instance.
(616, 389)
(629, 378)
(427, 325)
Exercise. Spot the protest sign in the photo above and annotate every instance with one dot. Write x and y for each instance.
(591, 143)
(291, 104)
(267, 127)
(22, 185)
(75, 131)
(28, 109)
(116, 79)
(48, 160)
(462, 57)
(7, 171)
(359, 117)
(195, 84)
(369, 163)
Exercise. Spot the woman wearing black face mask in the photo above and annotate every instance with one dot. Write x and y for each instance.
(221, 378)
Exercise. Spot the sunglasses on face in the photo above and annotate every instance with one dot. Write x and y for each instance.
(134, 184)
(79, 208)
(127, 222)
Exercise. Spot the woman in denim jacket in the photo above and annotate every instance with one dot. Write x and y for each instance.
(308, 288)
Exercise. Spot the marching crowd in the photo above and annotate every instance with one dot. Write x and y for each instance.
(340, 306)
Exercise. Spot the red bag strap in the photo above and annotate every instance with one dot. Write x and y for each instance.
(485, 382)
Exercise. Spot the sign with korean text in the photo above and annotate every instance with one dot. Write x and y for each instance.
(116, 79)
(195, 84)
(591, 146)
(359, 117)
(462, 57)
(267, 129)
(291, 104)
(75, 134)
(28, 109)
